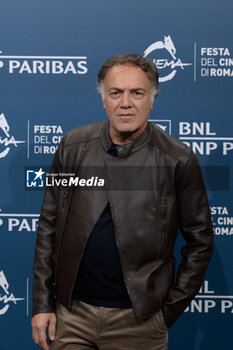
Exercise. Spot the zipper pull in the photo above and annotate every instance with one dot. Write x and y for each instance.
(164, 201)
(65, 194)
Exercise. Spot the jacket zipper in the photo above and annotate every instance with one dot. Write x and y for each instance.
(164, 209)
(81, 159)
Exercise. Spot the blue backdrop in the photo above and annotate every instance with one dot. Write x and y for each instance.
(50, 53)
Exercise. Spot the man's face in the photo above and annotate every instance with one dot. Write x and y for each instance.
(127, 101)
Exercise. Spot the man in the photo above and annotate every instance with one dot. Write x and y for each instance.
(109, 254)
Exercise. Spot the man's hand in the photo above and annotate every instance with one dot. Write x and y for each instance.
(39, 324)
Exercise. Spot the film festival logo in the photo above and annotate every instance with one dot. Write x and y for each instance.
(6, 298)
(6, 140)
(163, 54)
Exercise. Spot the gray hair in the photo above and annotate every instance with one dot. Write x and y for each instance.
(147, 65)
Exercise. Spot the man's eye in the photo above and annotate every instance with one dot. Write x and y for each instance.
(138, 94)
(114, 93)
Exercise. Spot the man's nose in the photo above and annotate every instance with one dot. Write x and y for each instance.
(125, 100)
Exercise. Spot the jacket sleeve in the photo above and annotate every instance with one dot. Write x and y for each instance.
(43, 294)
(196, 228)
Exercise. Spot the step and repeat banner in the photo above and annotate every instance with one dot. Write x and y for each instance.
(50, 54)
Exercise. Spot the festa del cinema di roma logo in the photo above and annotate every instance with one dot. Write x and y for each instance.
(163, 54)
(5, 296)
(6, 140)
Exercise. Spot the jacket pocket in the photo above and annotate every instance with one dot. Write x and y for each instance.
(159, 322)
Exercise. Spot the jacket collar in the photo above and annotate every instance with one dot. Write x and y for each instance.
(126, 149)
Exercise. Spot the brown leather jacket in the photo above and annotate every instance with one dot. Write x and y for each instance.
(146, 220)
